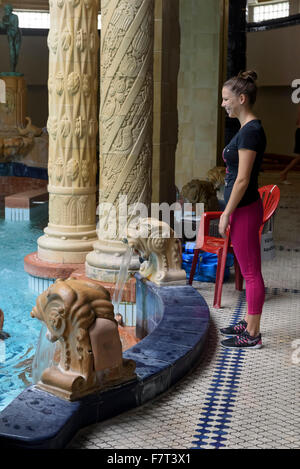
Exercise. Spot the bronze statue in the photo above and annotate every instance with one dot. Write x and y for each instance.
(10, 24)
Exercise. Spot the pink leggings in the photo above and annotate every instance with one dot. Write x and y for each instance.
(245, 223)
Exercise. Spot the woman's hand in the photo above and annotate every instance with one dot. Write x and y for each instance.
(223, 224)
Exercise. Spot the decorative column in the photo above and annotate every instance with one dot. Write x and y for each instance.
(72, 126)
(126, 102)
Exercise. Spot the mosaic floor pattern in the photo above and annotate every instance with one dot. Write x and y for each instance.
(233, 399)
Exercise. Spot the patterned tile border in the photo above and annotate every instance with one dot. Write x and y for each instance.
(214, 422)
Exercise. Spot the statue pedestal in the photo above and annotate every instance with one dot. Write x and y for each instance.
(13, 111)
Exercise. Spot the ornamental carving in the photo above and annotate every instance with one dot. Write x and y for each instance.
(85, 172)
(86, 85)
(65, 127)
(66, 40)
(53, 41)
(59, 83)
(80, 127)
(156, 243)
(30, 130)
(74, 3)
(73, 83)
(71, 210)
(59, 169)
(52, 127)
(14, 146)
(10, 105)
(79, 317)
(81, 40)
(72, 169)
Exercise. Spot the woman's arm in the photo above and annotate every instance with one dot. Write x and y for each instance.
(246, 161)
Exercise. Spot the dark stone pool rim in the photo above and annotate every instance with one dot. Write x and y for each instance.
(39, 420)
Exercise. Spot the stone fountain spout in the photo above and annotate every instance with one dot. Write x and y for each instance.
(159, 250)
(79, 315)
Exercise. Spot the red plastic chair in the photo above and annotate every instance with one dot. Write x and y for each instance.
(270, 196)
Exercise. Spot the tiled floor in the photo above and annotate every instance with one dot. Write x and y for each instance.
(233, 399)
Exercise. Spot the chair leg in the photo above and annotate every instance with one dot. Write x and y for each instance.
(238, 275)
(194, 264)
(222, 255)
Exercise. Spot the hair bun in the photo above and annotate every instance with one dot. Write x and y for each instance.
(250, 75)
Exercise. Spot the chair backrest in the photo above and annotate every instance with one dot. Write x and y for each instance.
(270, 196)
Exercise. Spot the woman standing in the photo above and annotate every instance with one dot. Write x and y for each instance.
(244, 210)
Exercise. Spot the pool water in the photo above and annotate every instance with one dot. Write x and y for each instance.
(17, 239)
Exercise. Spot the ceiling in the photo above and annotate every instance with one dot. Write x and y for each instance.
(27, 4)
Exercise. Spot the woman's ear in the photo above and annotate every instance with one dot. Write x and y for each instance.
(243, 98)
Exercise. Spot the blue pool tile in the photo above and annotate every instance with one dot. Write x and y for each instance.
(35, 415)
(185, 338)
(167, 353)
(182, 324)
(162, 350)
(146, 365)
(155, 385)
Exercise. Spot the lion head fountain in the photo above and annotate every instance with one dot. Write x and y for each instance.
(160, 251)
(79, 317)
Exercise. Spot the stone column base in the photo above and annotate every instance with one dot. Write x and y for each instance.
(36, 267)
(104, 263)
(65, 248)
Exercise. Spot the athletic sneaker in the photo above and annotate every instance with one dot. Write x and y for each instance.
(243, 341)
(237, 329)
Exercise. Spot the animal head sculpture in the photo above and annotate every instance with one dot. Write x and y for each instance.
(14, 146)
(156, 243)
(69, 308)
(198, 191)
(30, 130)
(216, 176)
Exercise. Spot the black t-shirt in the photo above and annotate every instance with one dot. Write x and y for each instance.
(250, 137)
